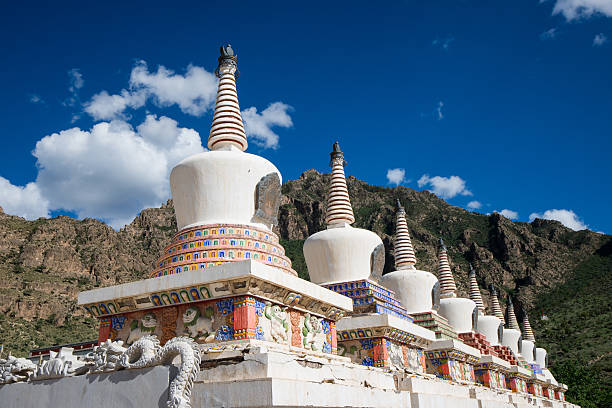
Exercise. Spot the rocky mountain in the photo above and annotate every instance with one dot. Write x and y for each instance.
(45, 263)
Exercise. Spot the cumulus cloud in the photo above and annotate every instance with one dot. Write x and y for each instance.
(549, 34)
(474, 205)
(194, 93)
(565, 217)
(511, 215)
(581, 9)
(26, 202)
(104, 106)
(110, 172)
(445, 187)
(396, 176)
(599, 40)
(258, 126)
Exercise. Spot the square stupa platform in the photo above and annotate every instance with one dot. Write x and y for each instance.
(234, 301)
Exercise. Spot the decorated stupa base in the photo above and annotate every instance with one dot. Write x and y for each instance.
(452, 360)
(534, 368)
(437, 323)
(382, 340)
(205, 246)
(536, 384)
(479, 342)
(234, 301)
(505, 353)
(370, 297)
(491, 372)
(516, 379)
(559, 392)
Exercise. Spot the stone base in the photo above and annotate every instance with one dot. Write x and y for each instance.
(254, 374)
(436, 323)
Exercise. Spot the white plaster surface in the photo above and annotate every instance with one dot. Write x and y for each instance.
(528, 351)
(489, 326)
(412, 287)
(494, 360)
(340, 254)
(218, 187)
(510, 339)
(214, 274)
(458, 312)
(123, 389)
(448, 344)
(541, 356)
(384, 320)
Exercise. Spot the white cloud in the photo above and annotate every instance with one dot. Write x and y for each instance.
(474, 205)
(26, 202)
(599, 40)
(396, 176)
(511, 215)
(549, 34)
(439, 114)
(111, 171)
(443, 43)
(258, 125)
(103, 106)
(194, 92)
(445, 187)
(36, 99)
(579, 9)
(565, 217)
(76, 80)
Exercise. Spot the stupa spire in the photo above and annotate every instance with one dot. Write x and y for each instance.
(527, 332)
(227, 129)
(475, 294)
(339, 209)
(495, 307)
(445, 275)
(512, 322)
(404, 252)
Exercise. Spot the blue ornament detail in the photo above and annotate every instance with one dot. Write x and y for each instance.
(326, 347)
(259, 307)
(368, 361)
(225, 333)
(259, 333)
(225, 306)
(366, 344)
(326, 326)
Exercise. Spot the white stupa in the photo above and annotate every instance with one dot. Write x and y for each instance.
(512, 334)
(226, 200)
(342, 253)
(490, 326)
(460, 312)
(412, 286)
(528, 343)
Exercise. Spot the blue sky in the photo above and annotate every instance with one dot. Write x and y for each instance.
(513, 99)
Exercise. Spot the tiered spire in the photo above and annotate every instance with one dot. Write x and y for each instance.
(512, 322)
(404, 252)
(475, 294)
(445, 275)
(227, 128)
(496, 308)
(339, 209)
(527, 332)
